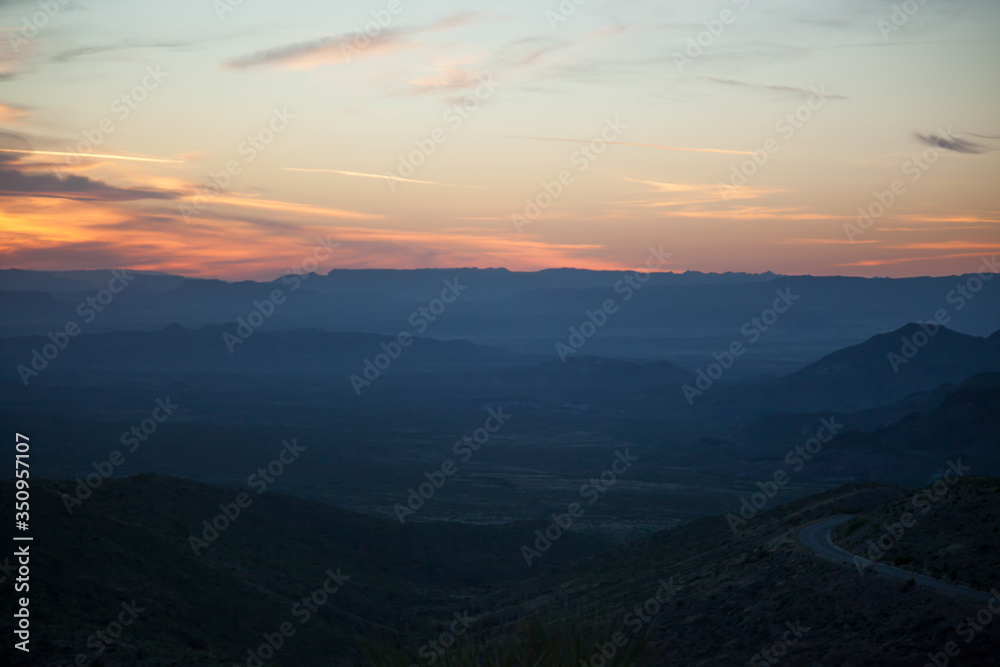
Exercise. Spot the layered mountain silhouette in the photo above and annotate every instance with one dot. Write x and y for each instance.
(684, 317)
(876, 373)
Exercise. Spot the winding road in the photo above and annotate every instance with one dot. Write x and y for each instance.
(816, 536)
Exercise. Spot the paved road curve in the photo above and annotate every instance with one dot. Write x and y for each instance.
(816, 536)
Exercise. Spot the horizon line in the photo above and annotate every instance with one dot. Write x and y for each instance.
(769, 273)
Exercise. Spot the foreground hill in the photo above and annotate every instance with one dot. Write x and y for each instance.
(707, 594)
(964, 552)
(736, 591)
(131, 541)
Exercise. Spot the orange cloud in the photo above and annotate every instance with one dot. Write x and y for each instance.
(226, 244)
(756, 213)
(901, 260)
(948, 245)
(951, 218)
(696, 194)
(822, 241)
(288, 207)
(11, 114)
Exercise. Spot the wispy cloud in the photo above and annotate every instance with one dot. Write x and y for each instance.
(802, 92)
(948, 245)
(313, 53)
(83, 51)
(340, 48)
(628, 143)
(696, 194)
(952, 144)
(15, 182)
(903, 260)
(701, 201)
(293, 208)
(675, 187)
(85, 156)
(988, 217)
(760, 213)
(11, 113)
(823, 241)
(383, 177)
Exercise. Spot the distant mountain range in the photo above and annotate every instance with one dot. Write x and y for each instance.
(877, 373)
(684, 317)
(908, 399)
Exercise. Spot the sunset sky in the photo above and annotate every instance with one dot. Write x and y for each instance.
(322, 133)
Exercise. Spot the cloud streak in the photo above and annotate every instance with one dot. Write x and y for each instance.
(628, 143)
(384, 177)
(323, 51)
(953, 144)
(16, 183)
(83, 51)
(88, 155)
(340, 48)
(804, 92)
(903, 260)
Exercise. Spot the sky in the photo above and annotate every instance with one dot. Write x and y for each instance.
(229, 138)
